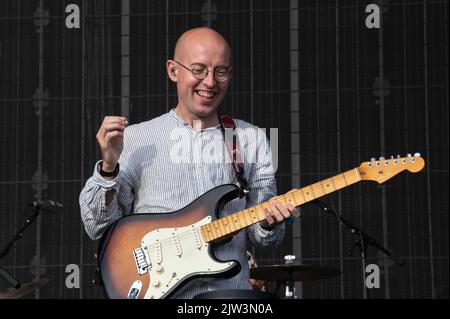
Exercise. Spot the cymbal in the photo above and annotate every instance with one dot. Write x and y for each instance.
(294, 272)
(12, 293)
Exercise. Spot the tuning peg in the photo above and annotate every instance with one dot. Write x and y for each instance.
(417, 155)
(381, 158)
(409, 155)
(392, 157)
(373, 159)
(398, 156)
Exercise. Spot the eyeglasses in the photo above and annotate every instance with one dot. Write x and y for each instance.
(200, 72)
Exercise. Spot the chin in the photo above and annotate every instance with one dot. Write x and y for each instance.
(205, 110)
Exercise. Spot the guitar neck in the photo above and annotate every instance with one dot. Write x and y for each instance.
(230, 224)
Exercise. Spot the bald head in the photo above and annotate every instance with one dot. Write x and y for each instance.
(202, 36)
(198, 52)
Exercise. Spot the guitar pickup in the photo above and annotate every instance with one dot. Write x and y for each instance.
(142, 260)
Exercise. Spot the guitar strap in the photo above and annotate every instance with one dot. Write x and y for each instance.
(228, 126)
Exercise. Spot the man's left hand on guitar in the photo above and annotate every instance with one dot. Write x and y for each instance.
(278, 213)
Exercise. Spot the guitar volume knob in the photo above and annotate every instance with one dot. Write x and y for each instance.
(159, 269)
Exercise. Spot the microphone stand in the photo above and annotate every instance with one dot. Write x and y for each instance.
(3, 273)
(362, 240)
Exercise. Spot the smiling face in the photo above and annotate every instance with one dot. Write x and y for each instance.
(197, 49)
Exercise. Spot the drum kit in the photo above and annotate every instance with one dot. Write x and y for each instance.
(285, 274)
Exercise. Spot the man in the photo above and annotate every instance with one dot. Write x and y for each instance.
(159, 165)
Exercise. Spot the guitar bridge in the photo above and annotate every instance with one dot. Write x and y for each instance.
(142, 260)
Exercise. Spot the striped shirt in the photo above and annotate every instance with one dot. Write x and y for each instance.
(166, 164)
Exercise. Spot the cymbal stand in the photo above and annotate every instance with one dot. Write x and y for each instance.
(290, 285)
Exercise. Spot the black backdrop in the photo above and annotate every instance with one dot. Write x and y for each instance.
(338, 93)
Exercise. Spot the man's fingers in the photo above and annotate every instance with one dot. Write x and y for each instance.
(110, 119)
(269, 216)
(112, 135)
(110, 124)
(294, 210)
(278, 212)
(114, 126)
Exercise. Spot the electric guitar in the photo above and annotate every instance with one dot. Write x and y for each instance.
(153, 255)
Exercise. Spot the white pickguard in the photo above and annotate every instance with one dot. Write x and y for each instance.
(177, 254)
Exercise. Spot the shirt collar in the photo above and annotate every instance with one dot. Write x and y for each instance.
(183, 122)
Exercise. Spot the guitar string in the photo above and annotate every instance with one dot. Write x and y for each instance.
(286, 197)
(336, 178)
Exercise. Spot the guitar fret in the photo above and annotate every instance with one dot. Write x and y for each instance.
(358, 176)
(261, 214)
(263, 206)
(230, 224)
(334, 185)
(240, 219)
(216, 228)
(287, 200)
(331, 185)
(295, 200)
(252, 215)
(237, 221)
(312, 191)
(224, 225)
(303, 195)
(206, 232)
(244, 216)
(345, 179)
(221, 227)
(203, 233)
(323, 188)
(316, 187)
(307, 194)
(209, 232)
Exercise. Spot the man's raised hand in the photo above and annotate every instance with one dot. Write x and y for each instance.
(110, 139)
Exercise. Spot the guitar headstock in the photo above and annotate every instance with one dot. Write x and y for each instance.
(383, 169)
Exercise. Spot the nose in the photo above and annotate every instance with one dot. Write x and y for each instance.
(209, 81)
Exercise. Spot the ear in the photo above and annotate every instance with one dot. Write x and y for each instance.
(171, 70)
